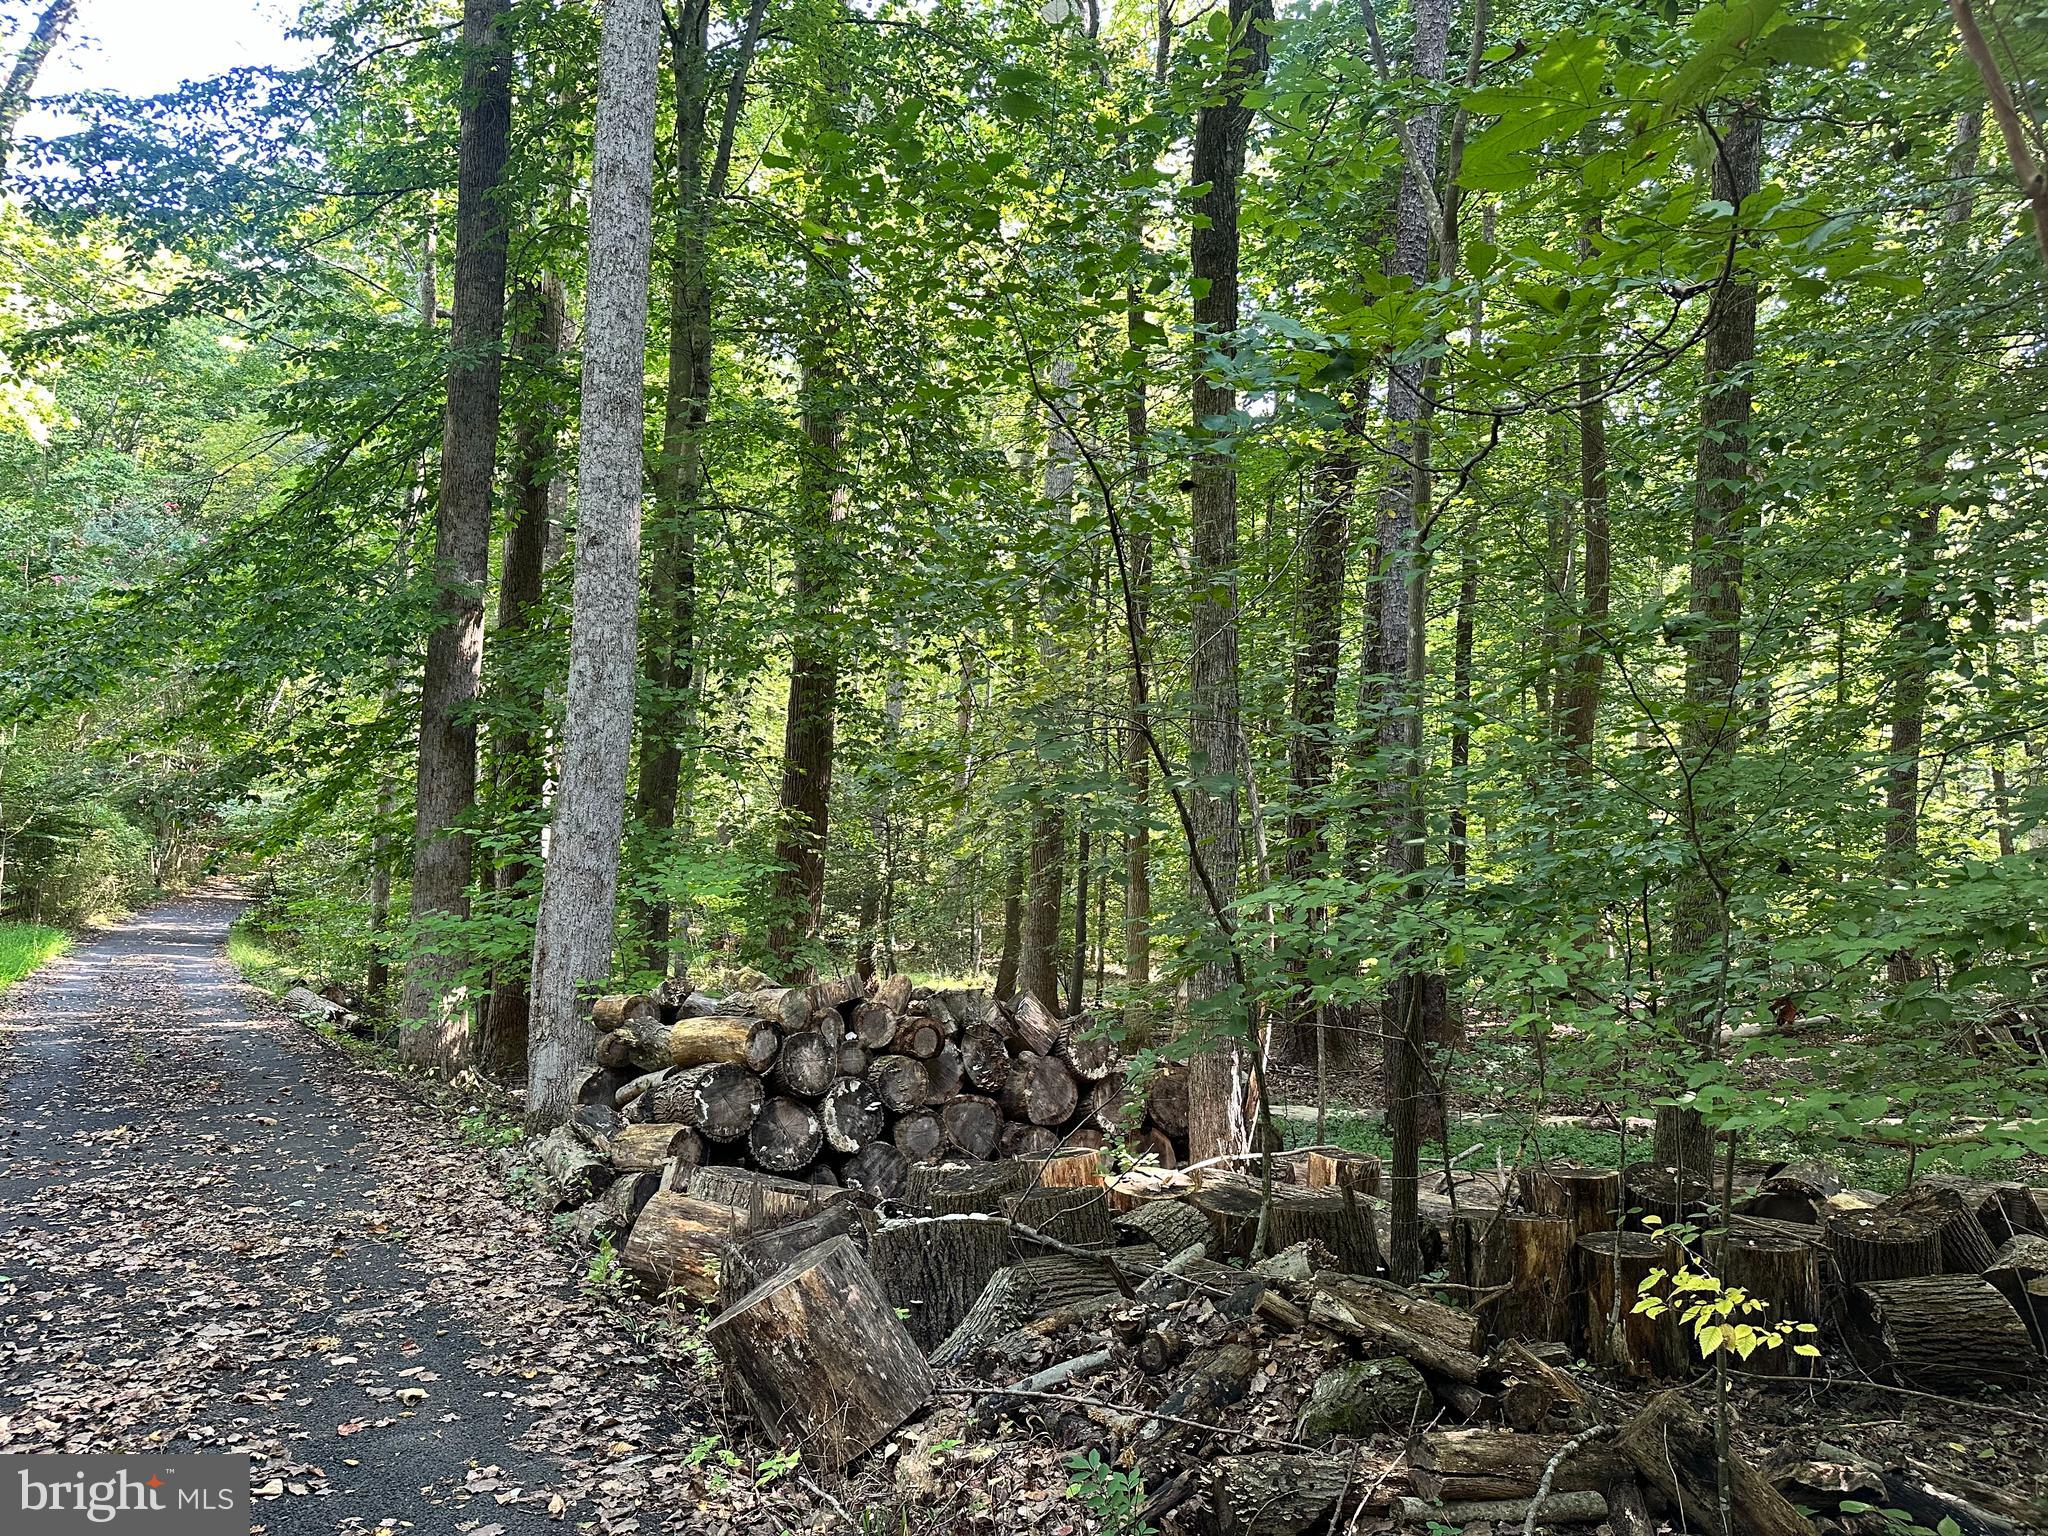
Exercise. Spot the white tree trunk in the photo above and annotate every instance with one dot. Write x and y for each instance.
(579, 891)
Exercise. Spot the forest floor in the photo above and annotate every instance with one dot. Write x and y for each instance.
(218, 1233)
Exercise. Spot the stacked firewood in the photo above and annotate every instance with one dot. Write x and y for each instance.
(837, 1082)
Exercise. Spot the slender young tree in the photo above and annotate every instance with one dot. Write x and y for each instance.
(1710, 733)
(1038, 972)
(1217, 1075)
(580, 884)
(1401, 623)
(436, 1022)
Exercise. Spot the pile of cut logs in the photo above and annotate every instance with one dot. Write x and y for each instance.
(1236, 1344)
(838, 1083)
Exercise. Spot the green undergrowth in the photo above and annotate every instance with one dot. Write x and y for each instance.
(1478, 1142)
(24, 946)
(258, 959)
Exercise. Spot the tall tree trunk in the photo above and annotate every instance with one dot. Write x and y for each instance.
(1137, 749)
(1038, 972)
(1217, 1074)
(435, 1020)
(1697, 965)
(579, 888)
(49, 31)
(1919, 632)
(383, 842)
(1414, 1000)
(517, 749)
(1457, 843)
(679, 472)
(822, 500)
(1007, 964)
(1589, 657)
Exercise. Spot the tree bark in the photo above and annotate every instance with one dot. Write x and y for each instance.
(1919, 632)
(1216, 1122)
(679, 469)
(1710, 730)
(49, 31)
(517, 748)
(436, 1021)
(1400, 629)
(822, 502)
(579, 892)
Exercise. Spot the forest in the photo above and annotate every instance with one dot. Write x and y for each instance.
(1424, 572)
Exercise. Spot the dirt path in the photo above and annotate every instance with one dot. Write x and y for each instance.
(216, 1233)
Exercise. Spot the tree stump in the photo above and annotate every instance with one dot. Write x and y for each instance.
(645, 1148)
(933, 1268)
(1076, 1217)
(820, 1358)
(2019, 1266)
(851, 1115)
(900, 1082)
(1069, 1170)
(1610, 1268)
(972, 1125)
(807, 1065)
(1791, 1192)
(1966, 1248)
(1232, 1211)
(1336, 1218)
(1041, 1090)
(1784, 1274)
(1883, 1244)
(918, 1136)
(1671, 1194)
(1476, 1251)
(757, 1257)
(1589, 1198)
(678, 1243)
(1537, 1304)
(1327, 1168)
(719, 1099)
(786, 1136)
(961, 1187)
(1940, 1333)
(1671, 1448)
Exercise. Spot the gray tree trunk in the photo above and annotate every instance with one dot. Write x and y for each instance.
(1217, 1075)
(1402, 593)
(434, 1020)
(579, 888)
(49, 31)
